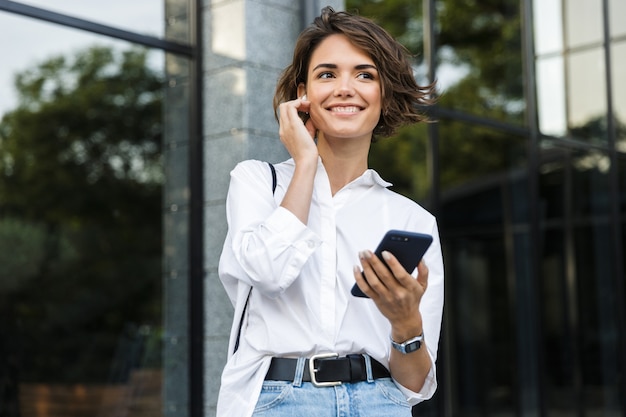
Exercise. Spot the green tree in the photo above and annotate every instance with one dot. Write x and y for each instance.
(81, 172)
(479, 45)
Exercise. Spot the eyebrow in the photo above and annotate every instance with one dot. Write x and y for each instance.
(334, 66)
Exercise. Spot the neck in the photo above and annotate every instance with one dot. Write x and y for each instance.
(344, 160)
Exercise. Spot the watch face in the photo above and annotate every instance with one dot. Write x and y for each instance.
(409, 346)
(413, 346)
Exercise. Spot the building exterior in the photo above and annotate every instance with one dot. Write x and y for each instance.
(120, 123)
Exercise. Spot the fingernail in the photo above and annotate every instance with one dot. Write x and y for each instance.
(356, 269)
(386, 255)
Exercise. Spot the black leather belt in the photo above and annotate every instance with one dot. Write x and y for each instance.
(326, 369)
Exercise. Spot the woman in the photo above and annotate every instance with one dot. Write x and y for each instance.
(292, 254)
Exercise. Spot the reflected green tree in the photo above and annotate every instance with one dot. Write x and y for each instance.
(479, 48)
(80, 197)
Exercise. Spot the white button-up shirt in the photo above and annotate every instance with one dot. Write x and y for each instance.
(301, 276)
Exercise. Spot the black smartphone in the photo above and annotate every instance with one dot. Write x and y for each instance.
(407, 247)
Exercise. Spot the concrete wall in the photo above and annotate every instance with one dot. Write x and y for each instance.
(246, 45)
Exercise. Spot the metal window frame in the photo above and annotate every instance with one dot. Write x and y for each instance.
(93, 27)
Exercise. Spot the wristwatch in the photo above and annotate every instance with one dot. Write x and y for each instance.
(408, 346)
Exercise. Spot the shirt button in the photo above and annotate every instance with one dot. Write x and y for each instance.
(310, 244)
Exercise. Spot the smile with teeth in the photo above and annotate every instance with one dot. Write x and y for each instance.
(345, 109)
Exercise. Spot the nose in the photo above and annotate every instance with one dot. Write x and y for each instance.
(344, 87)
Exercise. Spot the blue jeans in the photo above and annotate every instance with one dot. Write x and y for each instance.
(372, 398)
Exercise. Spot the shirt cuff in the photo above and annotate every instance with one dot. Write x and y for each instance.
(286, 227)
(427, 391)
(285, 224)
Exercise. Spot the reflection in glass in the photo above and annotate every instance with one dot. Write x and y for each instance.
(80, 225)
(547, 20)
(484, 45)
(34, 41)
(551, 96)
(144, 16)
(583, 22)
(402, 161)
(586, 87)
(578, 302)
(482, 203)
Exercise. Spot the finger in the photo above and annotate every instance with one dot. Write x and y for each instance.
(422, 274)
(362, 283)
(292, 129)
(303, 105)
(288, 111)
(376, 273)
(294, 114)
(400, 274)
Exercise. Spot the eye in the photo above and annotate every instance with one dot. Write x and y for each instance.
(325, 75)
(366, 76)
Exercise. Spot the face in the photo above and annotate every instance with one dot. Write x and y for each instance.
(344, 90)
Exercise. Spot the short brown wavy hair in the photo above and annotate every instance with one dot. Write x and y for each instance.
(402, 97)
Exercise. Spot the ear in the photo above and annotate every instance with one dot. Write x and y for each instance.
(301, 89)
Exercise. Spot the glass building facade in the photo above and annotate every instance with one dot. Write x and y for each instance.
(97, 121)
(103, 235)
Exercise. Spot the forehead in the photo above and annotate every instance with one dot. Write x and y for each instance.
(338, 50)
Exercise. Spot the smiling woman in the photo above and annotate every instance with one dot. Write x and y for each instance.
(289, 263)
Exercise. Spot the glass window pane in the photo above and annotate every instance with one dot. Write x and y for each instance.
(579, 303)
(33, 41)
(81, 178)
(402, 161)
(617, 11)
(586, 87)
(482, 62)
(551, 96)
(583, 22)
(560, 374)
(548, 20)
(144, 16)
(482, 203)
(596, 302)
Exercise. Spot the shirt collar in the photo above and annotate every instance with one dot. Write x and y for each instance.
(369, 177)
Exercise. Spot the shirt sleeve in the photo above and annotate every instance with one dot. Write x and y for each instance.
(266, 245)
(431, 308)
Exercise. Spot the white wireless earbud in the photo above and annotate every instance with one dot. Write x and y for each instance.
(303, 97)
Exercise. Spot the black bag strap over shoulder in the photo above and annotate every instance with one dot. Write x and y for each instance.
(243, 313)
(273, 177)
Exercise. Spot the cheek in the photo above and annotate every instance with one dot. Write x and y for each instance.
(315, 115)
(316, 110)
(375, 98)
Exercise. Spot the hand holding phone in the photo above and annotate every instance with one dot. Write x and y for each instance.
(407, 247)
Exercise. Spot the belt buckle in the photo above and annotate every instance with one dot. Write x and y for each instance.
(313, 370)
